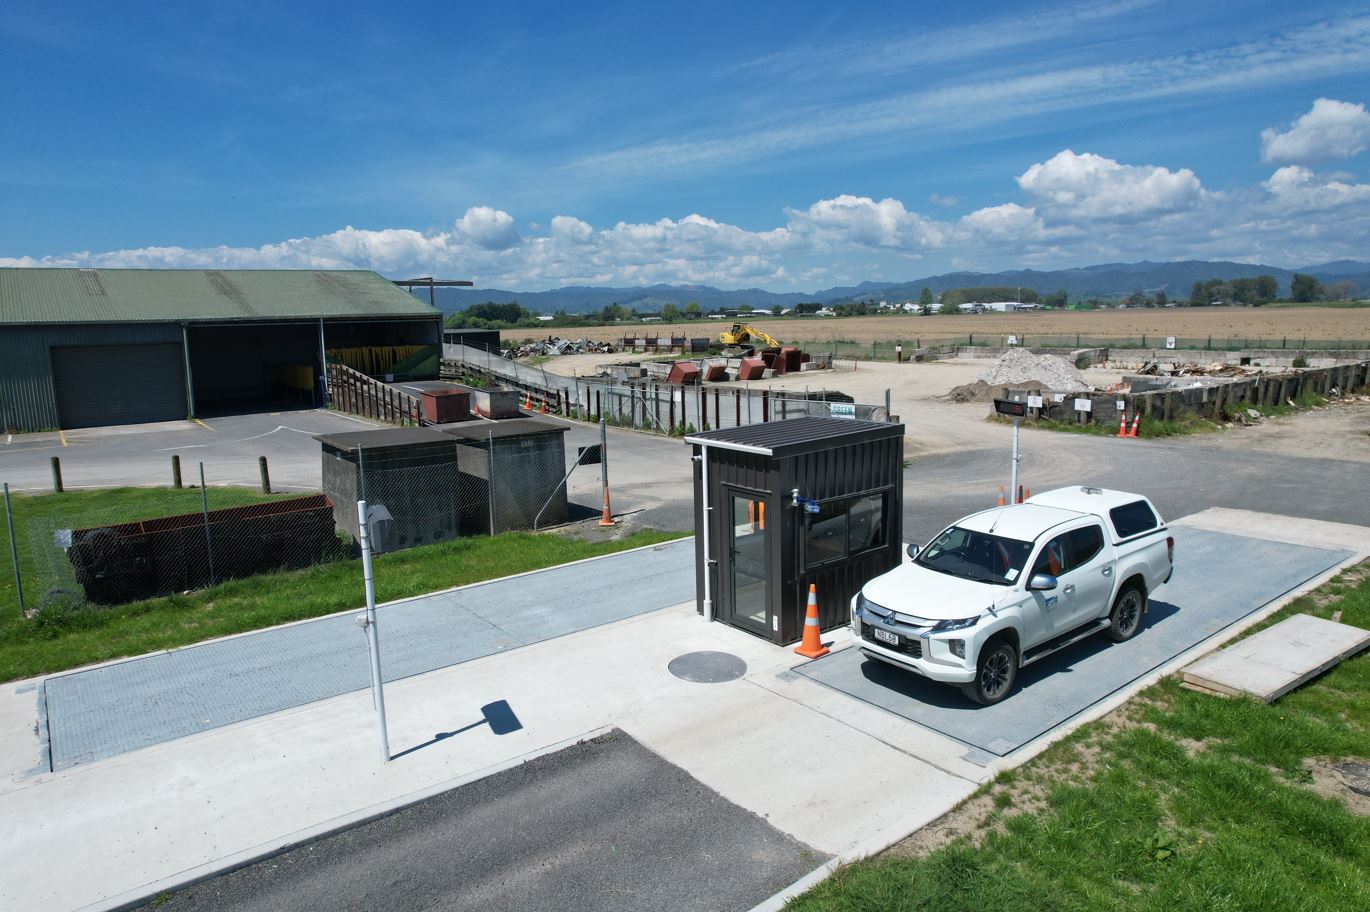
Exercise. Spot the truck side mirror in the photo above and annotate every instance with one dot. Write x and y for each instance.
(912, 551)
(1042, 581)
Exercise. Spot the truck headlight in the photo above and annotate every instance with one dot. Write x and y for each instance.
(957, 624)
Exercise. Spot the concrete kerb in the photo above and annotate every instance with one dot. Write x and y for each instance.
(39, 679)
(136, 898)
(1018, 758)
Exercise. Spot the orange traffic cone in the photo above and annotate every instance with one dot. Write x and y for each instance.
(608, 518)
(812, 645)
(1020, 493)
(1027, 493)
(543, 409)
(527, 402)
(1122, 423)
(1001, 496)
(1137, 420)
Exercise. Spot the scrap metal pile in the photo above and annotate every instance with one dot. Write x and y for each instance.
(557, 346)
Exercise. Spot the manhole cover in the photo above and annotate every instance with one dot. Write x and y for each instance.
(707, 667)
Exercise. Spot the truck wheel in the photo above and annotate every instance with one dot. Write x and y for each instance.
(1126, 617)
(995, 673)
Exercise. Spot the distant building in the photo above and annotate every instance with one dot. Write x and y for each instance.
(93, 347)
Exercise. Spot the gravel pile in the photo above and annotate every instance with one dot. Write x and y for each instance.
(1019, 367)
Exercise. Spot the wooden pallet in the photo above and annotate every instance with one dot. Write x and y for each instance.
(1273, 662)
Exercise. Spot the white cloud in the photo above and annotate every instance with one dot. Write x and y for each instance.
(492, 229)
(1330, 131)
(1089, 186)
(1080, 208)
(1302, 190)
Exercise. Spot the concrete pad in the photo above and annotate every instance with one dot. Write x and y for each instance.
(122, 706)
(1273, 662)
(142, 820)
(1195, 605)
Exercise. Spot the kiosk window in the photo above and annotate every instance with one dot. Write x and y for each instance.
(844, 527)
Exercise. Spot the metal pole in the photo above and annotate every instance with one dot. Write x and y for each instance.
(323, 364)
(490, 477)
(266, 477)
(56, 475)
(368, 621)
(604, 460)
(14, 550)
(888, 410)
(1013, 479)
(209, 539)
(705, 509)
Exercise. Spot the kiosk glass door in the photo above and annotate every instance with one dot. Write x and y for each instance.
(746, 603)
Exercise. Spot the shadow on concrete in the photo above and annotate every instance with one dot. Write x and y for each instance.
(499, 715)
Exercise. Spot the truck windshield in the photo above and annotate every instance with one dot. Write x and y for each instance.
(976, 556)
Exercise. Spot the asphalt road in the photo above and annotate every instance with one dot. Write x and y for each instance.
(605, 825)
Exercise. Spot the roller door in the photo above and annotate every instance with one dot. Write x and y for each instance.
(118, 384)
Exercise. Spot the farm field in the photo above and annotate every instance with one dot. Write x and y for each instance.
(1320, 324)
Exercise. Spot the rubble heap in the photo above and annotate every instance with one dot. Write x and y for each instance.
(1019, 367)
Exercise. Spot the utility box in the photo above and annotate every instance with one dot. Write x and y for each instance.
(511, 470)
(407, 476)
(684, 373)
(446, 406)
(789, 503)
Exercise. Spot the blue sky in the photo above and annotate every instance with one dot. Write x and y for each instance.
(792, 146)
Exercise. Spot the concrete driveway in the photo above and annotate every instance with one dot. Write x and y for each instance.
(772, 742)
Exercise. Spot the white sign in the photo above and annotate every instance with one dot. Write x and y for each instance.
(1012, 340)
(1084, 405)
(1169, 341)
(1058, 397)
(1034, 401)
(842, 410)
(1120, 404)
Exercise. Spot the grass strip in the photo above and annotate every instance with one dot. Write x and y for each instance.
(69, 637)
(1179, 801)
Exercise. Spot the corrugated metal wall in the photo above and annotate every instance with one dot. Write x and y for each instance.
(27, 399)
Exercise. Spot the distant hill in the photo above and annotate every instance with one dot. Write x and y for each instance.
(1105, 280)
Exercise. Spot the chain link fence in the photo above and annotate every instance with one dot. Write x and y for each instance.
(95, 548)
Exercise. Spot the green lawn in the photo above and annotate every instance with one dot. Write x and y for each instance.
(1180, 802)
(70, 637)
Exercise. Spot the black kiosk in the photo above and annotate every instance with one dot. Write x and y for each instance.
(788, 503)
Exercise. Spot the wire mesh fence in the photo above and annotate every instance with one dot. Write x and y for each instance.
(893, 349)
(93, 548)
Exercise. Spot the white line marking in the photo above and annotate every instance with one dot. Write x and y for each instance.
(198, 446)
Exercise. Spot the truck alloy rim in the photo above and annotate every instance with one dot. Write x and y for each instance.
(1128, 612)
(995, 676)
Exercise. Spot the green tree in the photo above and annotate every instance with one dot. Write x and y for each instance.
(1266, 289)
(692, 309)
(776, 310)
(1137, 299)
(670, 313)
(1199, 295)
(925, 301)
(744, 309)
(1305, 288)
(1161, 299)
(1057, 299)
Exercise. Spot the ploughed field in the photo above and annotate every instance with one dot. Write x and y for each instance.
(1292, 323)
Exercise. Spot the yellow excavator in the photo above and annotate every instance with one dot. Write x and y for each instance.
(745, 335)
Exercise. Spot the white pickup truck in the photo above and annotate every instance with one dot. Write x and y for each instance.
(1001, 589)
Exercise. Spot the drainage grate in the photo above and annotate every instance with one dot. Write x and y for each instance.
(707, 667)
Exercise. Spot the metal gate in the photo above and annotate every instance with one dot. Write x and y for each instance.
(118, 384)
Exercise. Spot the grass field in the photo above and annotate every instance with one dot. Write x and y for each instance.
(1271, 324)
(68, 637)
(1180, 802)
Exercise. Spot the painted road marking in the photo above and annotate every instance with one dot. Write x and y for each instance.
(202, 424)
(62, 436)
(200, 446)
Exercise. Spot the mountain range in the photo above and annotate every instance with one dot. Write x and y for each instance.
(1108, 280)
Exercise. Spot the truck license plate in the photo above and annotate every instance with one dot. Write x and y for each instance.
(885, 636)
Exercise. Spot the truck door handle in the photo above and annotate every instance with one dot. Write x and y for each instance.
(1108, 571)
(1070, 588)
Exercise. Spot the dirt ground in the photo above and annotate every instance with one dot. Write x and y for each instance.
(1294, 323)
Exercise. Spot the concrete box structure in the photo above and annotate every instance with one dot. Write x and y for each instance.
(811, 500)
(446, 406)
(408, 477)
(509, 471)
